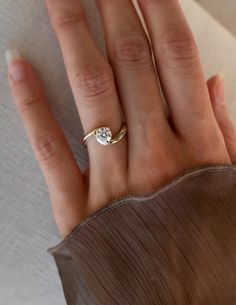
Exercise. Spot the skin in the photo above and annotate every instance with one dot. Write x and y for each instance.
(198, 131)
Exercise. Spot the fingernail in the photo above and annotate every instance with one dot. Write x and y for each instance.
(220, 88)
(221, 75)
(16, 68)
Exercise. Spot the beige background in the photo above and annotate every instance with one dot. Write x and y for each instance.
(223, 11)
(27, 272)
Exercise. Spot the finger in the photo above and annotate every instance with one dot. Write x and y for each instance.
(91, 79)
(63, 177)
(131, 58)
(178, 65)
(217, 94)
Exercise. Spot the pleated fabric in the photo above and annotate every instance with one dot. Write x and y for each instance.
(175, 246)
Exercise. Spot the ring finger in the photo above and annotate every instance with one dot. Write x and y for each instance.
(91, 80)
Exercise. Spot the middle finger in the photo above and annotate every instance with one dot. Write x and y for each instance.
(131, 58)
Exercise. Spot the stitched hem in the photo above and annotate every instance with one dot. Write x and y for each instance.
(114, 204)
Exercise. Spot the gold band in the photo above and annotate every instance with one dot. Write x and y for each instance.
(104, 136)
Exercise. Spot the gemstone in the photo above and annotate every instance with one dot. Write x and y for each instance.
(103, 135)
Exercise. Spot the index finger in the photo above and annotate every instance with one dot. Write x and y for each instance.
(178, 64)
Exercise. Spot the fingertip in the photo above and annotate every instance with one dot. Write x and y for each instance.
(12, 55)
(17, 69)
(212, 78)
(20, 70)
(220, 89)
(221, 76)
(216, 88)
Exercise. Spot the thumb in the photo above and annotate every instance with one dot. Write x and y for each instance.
(216, 89)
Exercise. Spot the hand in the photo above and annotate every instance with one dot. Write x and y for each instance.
(157, 148)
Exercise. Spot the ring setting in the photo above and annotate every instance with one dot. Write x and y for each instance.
(104, 136)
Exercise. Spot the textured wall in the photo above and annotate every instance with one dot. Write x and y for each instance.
(27, 272)
(223, 10)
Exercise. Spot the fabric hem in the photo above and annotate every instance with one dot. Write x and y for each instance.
(116, 203)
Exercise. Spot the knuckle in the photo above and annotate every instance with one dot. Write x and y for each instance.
(159, 164)
(67, 20)
(210, 141)
(29, 101)
(132, 52)
(47, 147)
(95, 81)
(179, 49)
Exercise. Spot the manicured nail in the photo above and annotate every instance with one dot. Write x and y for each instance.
(17, 69)
(220, 88)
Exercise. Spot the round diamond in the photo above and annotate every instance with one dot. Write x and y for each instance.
(103, 135)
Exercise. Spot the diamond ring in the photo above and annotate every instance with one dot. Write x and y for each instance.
(103, 135)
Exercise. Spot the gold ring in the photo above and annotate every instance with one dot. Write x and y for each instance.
(103, 135)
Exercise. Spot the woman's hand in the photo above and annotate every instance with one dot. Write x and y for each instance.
(157, 148)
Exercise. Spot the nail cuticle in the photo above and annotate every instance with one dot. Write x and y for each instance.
(17, 71)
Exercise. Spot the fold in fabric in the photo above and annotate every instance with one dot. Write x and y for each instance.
(174, 246)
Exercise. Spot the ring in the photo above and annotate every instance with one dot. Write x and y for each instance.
(103, 135)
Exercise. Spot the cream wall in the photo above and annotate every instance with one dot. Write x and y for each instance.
(223, 10)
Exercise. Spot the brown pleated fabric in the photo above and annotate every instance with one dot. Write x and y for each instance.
(176, 246)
